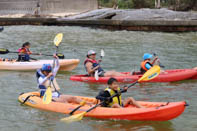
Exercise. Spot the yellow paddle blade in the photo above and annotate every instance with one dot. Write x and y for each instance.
(82, 103)
(150, 74)
(47, 96)
(73, 118)
(58, 39)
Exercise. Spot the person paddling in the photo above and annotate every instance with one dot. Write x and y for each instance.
(91, 65)
(146, 64)
(45, 75)
(24, 52)
(115, 102)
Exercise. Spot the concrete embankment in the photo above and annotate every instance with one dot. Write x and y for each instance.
(132, 20)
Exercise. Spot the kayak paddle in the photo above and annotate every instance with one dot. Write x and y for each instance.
(81, 104)
(150, 74)
(6, 51)
(96, 72)
(48, 94)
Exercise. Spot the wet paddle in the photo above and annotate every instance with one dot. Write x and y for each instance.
(96, 75)
(48, 94)
(6, 51)
(150, 74)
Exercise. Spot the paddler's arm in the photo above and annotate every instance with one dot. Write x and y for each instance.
(41, 80)
(104, 96)
(90, 69)
(124, 89)
(154, 60)
(57, 65)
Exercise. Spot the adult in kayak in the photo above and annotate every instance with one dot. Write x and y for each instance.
(146, 64)
(91, 65)
(115, 102)
(45, 75)
(24, 52)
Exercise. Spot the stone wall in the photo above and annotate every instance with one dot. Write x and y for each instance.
(46, 6)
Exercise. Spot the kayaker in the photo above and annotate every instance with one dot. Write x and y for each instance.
(146, 64)
(24, 52)
(115, 102)
(44, 75)
(91, 65)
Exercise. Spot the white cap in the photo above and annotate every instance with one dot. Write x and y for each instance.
(91, 52)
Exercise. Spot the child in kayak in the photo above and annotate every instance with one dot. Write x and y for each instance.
(146, 64)
(47, 74)
(91, 65)
(24, 52)
(115, 102)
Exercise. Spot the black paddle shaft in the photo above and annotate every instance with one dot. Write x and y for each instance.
(6, 51)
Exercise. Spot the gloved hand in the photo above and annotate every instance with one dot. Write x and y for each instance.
(108, 99)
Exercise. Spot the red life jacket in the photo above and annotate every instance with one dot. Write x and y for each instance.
(23, 50)
(94, 64)
(90, 60)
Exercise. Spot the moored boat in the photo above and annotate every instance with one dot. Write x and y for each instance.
(152, 111)
(168, 76)
(1, 29)
(65, 64)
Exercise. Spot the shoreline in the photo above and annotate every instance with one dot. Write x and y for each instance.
(130, 20)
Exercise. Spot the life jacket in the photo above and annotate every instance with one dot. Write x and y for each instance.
(23, 50)
(116, 99)
(143, 68)
(24, 56)
(94, 64)
(54, 85)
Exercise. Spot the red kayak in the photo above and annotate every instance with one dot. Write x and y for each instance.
(168, 76)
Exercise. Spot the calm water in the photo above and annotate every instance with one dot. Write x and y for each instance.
(123, 52)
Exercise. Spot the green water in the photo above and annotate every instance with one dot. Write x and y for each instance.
(123, 52)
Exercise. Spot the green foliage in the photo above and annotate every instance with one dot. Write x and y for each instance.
(136, 4)
(125, 4)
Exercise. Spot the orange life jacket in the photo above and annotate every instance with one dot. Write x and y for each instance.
(143, 66)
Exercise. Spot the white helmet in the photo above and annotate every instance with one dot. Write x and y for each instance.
(91, 52)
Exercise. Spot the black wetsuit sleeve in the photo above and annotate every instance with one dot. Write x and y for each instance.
(123, 90)
(103, 95)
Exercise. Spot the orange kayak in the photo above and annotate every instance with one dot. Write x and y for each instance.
(153, 111)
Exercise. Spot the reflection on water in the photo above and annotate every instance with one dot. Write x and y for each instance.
(123, 52)
(112, 125)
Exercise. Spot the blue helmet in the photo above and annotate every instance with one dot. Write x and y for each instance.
(46, 67)
(147, 56)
